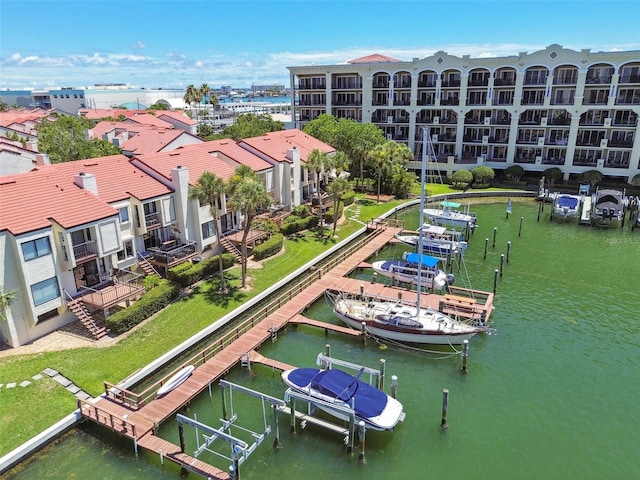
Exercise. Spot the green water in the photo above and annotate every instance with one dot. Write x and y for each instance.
(553, 395)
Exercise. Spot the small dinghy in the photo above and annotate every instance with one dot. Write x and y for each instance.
(175, 380)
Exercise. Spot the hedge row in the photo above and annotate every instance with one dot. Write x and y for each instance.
(268, 248)
(299, 225)
(151, 302)
(192, 273)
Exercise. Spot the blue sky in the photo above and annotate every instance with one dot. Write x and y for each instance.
(150, 43)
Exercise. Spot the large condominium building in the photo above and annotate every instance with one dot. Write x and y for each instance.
(552, 108)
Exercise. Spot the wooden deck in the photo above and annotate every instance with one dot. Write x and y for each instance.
(140, 422)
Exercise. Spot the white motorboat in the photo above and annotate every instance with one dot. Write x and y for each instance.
(567, 206)
(335, 387)
(449, 215)
(407, 269)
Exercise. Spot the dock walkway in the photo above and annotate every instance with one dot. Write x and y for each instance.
(139, 420)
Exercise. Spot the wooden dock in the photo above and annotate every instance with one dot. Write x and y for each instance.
(135, 418)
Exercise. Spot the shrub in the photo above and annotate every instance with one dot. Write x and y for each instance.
(268, 248)
(266, 225)
(151, 302)
(299, 225)
(483, 174)
(301, 211)
(197, 271)
(349, 197)
(461, 179)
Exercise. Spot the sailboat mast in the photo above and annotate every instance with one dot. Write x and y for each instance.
(423, 180)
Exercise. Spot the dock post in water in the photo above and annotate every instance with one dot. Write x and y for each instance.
(361, 433)
(292, 409)
(394, 386)
(375, 278)
(445, 405)
(495, 232)
(486, 244)
(276, 439)
(520, 229)
(181, 435)
(508, 250)
(363, 330)
(327, 353)
(161, 458)
(495, 280)
(224, 404)
(501, 263)
(465, 354)
(381, 375)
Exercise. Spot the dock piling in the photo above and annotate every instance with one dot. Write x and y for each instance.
(375, 278)
(465, 354)
(276, 439)
(495, 232)
(394, 386)
(520, 229)
(445, 406)
(383, 362)
(486, 244)
(508, 250)
(501, 263)
(495, 280)
(361, 442)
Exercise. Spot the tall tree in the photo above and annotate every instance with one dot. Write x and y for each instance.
(248, 125)
(248, 193)
(337, 188)
(209, 190)
(316, 163)
(6, 299)
(64, 140)
(192, 95)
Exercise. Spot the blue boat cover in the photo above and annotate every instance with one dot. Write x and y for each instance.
(426, 260)
(568, 202)
(366, 401)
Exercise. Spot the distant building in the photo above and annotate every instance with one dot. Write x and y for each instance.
(556, 107)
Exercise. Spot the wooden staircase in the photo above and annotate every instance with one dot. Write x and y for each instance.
(79, 309)
(146, 267)
(231, 248)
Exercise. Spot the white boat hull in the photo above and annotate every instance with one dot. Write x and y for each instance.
(449, 218)
(410, 275)
(436, 329)
(175, 381)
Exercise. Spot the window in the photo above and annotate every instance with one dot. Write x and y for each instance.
(44, 291)
(124, 214)
(36, 248)
(208, 229)
(127, 250)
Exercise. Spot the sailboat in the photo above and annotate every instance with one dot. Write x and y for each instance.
(395, 320)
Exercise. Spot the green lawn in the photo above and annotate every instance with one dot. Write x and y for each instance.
(27, 411)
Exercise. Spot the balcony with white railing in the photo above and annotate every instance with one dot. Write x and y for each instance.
(113, 289)
(171, 253)
(83, 252)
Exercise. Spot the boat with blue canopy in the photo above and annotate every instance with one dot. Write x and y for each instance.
(412, 264)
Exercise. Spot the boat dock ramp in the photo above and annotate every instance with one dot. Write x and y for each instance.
(137, 415)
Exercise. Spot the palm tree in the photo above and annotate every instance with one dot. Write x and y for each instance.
(205, 92)
(6, 299)
(381, 158)
(316, 163)
(248, 193)
(209, 189)
(192, 95)
(337, 188)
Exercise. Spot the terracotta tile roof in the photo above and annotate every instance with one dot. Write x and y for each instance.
(276, 144)
(229, 149)
(29, 201)
(117, 178)
(375, 58)
(194, 159)
(154, 140)
(137, 116)
(176, 115)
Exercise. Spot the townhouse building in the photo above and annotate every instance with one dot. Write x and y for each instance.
(575, 110)
(76, 238)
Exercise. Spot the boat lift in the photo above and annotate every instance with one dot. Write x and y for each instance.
(240, 450)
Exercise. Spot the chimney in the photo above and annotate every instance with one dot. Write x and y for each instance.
(180, 184)
(42, 159)
(87, 181)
